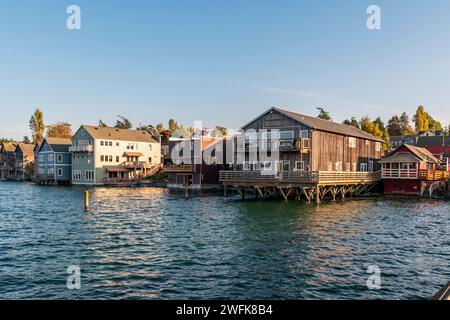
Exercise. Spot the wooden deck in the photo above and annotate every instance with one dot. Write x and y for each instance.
(297, 184)
(297, 177)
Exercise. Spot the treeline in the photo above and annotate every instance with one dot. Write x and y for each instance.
(63, 129)
(401, 125)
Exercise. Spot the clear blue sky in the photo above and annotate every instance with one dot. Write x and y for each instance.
(222, 62)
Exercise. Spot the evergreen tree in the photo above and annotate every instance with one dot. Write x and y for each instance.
(325, 115)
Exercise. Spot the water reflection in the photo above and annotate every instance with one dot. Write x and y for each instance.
(150, 243)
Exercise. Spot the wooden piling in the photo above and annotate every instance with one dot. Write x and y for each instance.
(86, 200)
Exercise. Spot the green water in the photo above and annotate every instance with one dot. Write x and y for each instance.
(148, 243)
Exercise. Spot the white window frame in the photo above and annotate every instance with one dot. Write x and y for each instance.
(267, 165)
(302, 134)
(348, 167)
(378, 146)
(370, 167)
(246, 165)
(51, 157)
(59, 158)
(338, 166)
(363, 167)
(256, 165)
(60, 172)
(302, 166)
(329, 166)
(352, 142)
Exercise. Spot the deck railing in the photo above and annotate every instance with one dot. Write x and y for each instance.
(178, 168)
(82, 148)
(232, 177)
(399, 173)
(136, 164)
(120, 181)
(434, 175)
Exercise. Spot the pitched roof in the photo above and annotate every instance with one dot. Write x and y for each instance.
(419, 153)
(433, 141)
(326, 125)
(58, 144)
(52, 141)
(9, 146)
(27, 150)
(109, 133)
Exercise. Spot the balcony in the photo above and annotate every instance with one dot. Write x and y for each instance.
(388, 173)
(83, 148)
(136, 165)
(186, 168)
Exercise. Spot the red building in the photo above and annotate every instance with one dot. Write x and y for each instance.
(438, 145)
(410, 170)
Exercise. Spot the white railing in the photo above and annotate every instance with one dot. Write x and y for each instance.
(399, 173)
(82, 148)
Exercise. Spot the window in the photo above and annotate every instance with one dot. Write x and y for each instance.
(256, 165)
(354, 166)
(89, 175)
(102, 158)
(110, 158)
(347, 166)
(267, 165)
(367, 142)
(286, 135)
(363, 167)
(41, 157)
(150, 147)
(370, 166)
(299, 165)
(51, 171)
(59, 158)
(76, 175)
(377, 146)
(117, 144)
(246, 165)
(352, 142)
(51, 157)
(339, 166)
(102, 143)
(110, 143)
(60, 172)
(117, 158)
(304, 134)
(330, 166)
(150, 159)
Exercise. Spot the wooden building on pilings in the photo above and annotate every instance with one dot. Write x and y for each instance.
(316, 158)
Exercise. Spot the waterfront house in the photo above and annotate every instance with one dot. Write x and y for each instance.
(313, 154)
(411, 170)
(54, 161)
(37, 146)
(24, 161)
(104, 155)
(7, 160)
(202, 174)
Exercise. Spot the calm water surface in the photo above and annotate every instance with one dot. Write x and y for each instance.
(149, 243)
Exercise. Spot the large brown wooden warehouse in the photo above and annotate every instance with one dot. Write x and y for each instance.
(316, 158)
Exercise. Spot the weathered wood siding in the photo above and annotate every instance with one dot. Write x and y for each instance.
(333, 148)
(277, 120)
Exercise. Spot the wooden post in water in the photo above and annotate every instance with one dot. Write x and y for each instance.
(86, 200)
(317, 194)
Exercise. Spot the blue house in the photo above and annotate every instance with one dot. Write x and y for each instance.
(54, 162)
